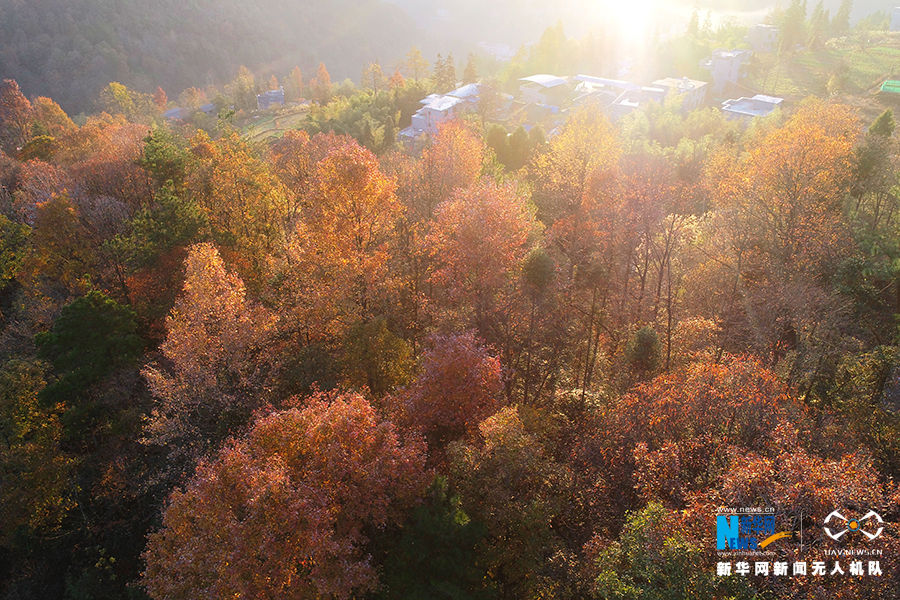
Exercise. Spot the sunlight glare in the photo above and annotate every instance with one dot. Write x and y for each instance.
(633, 20)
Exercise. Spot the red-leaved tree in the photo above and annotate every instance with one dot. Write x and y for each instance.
(459, 384)
(284, 513)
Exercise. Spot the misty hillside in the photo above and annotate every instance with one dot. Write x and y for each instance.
(69, 49)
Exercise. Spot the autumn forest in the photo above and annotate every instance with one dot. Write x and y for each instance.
(323, 365)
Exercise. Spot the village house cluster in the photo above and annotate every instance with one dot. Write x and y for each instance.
(545, 99)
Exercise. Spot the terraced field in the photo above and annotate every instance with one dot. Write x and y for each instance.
(851, 69)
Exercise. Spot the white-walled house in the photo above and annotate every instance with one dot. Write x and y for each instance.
(439, 108)
(763, 38)
(598, 90)
(725, 67)
(435, 111)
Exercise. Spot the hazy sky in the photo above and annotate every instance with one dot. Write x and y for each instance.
(521, 21)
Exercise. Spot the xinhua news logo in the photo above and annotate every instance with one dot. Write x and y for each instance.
(746, 532)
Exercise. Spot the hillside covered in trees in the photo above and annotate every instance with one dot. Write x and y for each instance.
(70, 49)
(511, 367)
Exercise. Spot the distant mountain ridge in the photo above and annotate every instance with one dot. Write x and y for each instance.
(69, 49)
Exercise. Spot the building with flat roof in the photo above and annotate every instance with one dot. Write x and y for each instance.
(435, 111)
(545, 89)
(544, 80)
(604, 83)
(747, 109)
(438, 108)
(633, 99)
(692, 92)
(600, 91)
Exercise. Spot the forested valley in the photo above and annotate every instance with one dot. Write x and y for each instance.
(320, 365)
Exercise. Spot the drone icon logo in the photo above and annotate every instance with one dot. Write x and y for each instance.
(853, 525)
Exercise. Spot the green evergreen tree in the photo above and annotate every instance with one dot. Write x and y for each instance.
(519, 149)
(840, 25)
(444, 74)
(164, 158)
(537, 137)
(652, 560)
(435, 556)
(818, 26)
(92, 336)
(13, 248)
(793, 26)
(470, 74)
(170, 221)
(693, 28)
(376, 358)
(498, 140)
(884, 125)
(642, 351)
(389, 137)
(451, 72)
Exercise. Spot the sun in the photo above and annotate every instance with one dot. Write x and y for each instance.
(633, 20)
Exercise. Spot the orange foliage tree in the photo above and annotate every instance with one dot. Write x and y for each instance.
(160, 98)
(586, 148)
(476, 245)
(780, 208)
(50, 118)
(337, 258)
(62, 259)
(214, 370)
(452, 161)
(244, 202)
(15, 116)
(320, 85)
